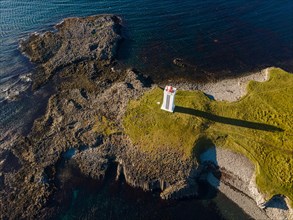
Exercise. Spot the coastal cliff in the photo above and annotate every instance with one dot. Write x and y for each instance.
(87, 115)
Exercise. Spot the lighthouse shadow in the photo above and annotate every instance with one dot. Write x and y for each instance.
(205, 154)
(226, 120)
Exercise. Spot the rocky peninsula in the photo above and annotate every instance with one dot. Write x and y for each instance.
(86, 114)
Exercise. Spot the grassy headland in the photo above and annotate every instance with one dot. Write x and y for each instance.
(259, 126)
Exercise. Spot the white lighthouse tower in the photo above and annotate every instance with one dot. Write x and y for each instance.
(169, 99)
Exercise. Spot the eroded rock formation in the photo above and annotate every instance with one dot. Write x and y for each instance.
(76, 40)
(85, 114)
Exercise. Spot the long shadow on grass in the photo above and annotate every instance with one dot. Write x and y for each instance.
(225, 120)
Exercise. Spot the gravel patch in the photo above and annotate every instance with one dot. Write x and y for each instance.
(231, 89)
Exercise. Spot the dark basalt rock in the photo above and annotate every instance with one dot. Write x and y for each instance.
(179, 62)
(76, 40)
(183, 64)
(85, 114)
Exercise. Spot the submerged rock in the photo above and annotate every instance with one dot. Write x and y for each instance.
(179, 62)
(182, 63)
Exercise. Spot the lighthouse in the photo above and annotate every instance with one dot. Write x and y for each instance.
(169, 99)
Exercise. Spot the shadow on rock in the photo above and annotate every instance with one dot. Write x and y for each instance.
(278, 202)
(209, 173)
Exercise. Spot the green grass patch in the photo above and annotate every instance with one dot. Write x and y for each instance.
(260, 126)
(104, 126)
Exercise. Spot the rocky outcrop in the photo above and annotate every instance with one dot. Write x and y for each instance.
(76, 40)
(93, 162)
(181, 189)
(155, 171)
(77, 60)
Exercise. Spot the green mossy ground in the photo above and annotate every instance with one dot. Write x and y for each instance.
(104, 126)
(260, 126)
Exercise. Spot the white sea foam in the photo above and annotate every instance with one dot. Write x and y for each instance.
(12, 87)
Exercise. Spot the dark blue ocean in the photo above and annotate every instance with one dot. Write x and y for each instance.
(222, 37)
(215, 35)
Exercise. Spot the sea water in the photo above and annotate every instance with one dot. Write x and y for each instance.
(214, 35)
(222, 37)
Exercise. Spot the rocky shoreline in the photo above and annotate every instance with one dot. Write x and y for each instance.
(231, 89)
(85, 115)
(238, 183)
